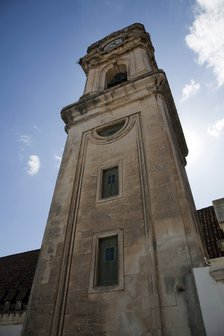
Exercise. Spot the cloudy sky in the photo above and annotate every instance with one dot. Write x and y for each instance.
(41, 42)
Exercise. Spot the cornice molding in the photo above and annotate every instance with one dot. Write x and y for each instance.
(152, 83)
(132, 37)
(125, 91)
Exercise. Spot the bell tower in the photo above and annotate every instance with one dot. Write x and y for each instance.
(121, 238)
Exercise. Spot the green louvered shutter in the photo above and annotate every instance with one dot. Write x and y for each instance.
(110, 182)
(108, 261)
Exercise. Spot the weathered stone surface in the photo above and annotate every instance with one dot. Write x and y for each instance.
(153, 212)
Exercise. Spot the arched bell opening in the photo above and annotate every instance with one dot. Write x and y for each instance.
(116, 75)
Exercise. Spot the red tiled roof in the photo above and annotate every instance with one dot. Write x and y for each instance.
(16, 278)
(210, 231)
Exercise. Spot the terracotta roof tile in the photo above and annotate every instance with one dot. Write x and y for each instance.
(16, 278)
(210, 231)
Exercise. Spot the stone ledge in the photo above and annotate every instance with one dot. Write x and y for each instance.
(216, 269)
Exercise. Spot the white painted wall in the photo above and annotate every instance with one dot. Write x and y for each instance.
(211, 297)
(11, 330)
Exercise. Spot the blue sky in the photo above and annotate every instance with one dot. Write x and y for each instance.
(41, 42)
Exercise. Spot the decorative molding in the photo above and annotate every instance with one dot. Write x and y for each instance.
(150, 234)
(153, 83)
(131, 37)
(65, 269)
(12, 318)
(97, 139)
(125, 91)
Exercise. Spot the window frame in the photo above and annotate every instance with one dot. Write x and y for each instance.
(93, 286)
(110, 182)
(99, 198)
(107, 261)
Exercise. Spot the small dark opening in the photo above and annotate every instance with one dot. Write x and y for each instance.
(110, 130)
(117, 79)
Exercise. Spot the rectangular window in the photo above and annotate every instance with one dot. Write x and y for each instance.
(107, 274)
(110, 183)
(107, 268)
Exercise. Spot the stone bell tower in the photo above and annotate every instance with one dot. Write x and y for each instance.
(121, 238)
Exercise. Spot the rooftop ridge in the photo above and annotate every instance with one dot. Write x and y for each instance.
(19, 253)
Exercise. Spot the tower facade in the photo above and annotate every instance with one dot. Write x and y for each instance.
(121, 238)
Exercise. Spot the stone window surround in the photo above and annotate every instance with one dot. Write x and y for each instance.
(99, 198)
(93, 288)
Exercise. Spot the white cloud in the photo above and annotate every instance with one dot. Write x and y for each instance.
(33, 165)
(190, 90)
(58, 159)
(215, 129)
(206, 37)
(25, 139)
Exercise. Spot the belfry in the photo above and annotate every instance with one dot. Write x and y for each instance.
(121, 238)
